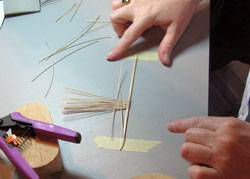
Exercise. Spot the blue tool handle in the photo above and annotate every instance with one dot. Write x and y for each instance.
(17, 159)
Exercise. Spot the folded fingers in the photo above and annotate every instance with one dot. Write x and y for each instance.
(204, 172)
(200, 136)
(116, 4)
(197, 153)
(120, 17)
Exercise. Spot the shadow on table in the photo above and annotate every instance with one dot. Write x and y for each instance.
(66, 174)
(197, 31)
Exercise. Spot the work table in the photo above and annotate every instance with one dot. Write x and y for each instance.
(160, 94)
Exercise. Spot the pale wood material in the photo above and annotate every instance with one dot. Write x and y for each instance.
(93, 104)
(41, 153)
(101, 104)
(76, 10)
(48, 2)
(129, 104)
(72, 41)
(6, 170)
(70, 44)
(46, 69)
(154, 176)
(68, 11)
(118, 94)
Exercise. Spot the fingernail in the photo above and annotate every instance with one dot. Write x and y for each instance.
(110, 55)
(166, 58)
(171, 126)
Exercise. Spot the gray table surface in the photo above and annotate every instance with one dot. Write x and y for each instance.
(161, 94)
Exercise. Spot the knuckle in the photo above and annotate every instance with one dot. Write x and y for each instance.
(185, 150)
(127, 36)
(232, 123)
(148, 18)
(188, 134)
(231, 132)
(167, 46)
(177, 30)
(145, 20)
(225, 160)
(145, 14)
(228, 142)
(130, 36)
(114, 4)
(210, 158)
(196, 173)
(112, 16)
(196, 121)
(222, 164)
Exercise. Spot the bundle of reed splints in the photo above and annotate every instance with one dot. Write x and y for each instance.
(101, 104)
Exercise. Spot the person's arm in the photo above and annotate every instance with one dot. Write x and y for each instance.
(217, 147)
(172, 15)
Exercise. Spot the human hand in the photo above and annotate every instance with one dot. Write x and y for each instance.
(218, 147)
(131, 20)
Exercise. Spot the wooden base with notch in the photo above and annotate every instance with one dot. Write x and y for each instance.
(42, 154)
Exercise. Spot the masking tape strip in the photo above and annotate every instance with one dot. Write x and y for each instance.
(146, 55)
(154, 176)
(134, 145)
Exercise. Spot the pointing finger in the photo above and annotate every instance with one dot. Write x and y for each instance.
(181, 125)
(129, 36)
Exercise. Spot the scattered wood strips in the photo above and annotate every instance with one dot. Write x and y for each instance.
(70, 47)
(49, 2)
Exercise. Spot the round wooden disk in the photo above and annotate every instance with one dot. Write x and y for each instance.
(42, 153)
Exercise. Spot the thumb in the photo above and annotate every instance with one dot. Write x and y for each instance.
(167, 44)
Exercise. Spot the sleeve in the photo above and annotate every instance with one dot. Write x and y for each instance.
(244, 112)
